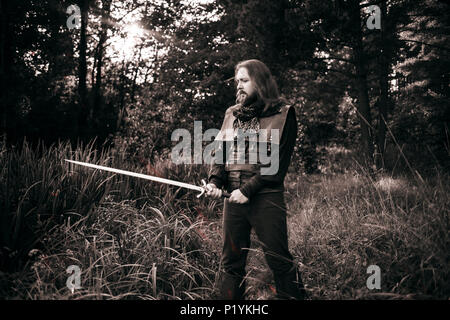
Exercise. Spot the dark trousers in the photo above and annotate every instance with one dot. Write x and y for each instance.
(266, 214)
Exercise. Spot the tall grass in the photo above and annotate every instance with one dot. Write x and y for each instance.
(127, 253)
(341, 225)
(40, 190)
(134, 239)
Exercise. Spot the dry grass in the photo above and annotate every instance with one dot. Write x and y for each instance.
(135, 240)
(341, 225)
(127, 253)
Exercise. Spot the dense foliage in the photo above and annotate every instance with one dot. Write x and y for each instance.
(381, 90)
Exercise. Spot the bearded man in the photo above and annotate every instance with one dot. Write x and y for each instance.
(257, 199)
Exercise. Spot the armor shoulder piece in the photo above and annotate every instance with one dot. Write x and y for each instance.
(286, 107)
(227, 125)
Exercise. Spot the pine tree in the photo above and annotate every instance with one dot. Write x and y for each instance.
(423, 96)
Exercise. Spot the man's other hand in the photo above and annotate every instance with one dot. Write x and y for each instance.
(237, 197)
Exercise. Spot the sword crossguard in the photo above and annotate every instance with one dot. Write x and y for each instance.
(204, 188)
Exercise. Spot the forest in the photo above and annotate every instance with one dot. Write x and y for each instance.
(108, 82)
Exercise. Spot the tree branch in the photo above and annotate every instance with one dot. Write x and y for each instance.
(323, 71)
(338, 59)
(424, 43)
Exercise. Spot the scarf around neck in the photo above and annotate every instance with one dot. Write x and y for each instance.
(248, 113)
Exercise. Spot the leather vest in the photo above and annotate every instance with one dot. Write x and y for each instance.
(241, 163)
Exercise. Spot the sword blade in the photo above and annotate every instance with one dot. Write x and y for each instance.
(140, 175)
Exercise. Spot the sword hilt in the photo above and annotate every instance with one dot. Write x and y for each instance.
(224, 193)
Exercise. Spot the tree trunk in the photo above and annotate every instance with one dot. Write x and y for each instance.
(4, 64)
(94, 67)
(384, 91)
(136, 72)
(96, 109)
(122, 84)
(361, 85)
(82, 71)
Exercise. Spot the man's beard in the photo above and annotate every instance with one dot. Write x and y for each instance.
(244, 99)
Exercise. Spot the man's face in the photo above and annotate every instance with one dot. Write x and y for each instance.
(244, 85)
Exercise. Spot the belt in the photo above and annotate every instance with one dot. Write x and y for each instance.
(242, 167)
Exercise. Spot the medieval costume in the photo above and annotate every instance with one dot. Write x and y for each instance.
(266, 210)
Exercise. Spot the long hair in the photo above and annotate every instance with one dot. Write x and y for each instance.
(265, 85)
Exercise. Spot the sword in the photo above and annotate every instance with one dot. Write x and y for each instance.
(201, 189)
